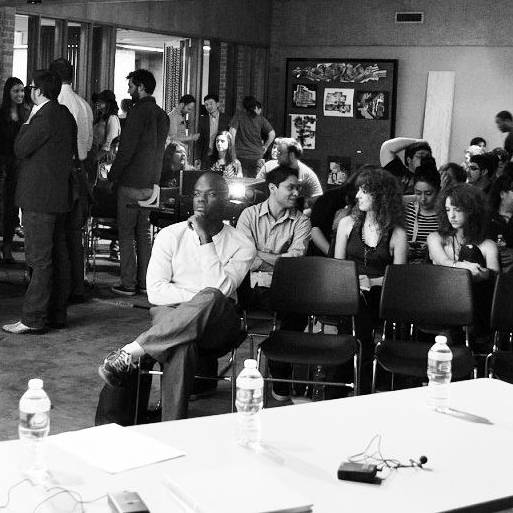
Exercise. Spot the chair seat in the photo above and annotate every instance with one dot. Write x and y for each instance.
(318, 349)
(410, 358)
(502, 363)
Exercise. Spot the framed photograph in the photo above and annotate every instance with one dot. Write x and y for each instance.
(339, 169)
(372, 105)
(304, 96)
(338, 102)
(303, 129)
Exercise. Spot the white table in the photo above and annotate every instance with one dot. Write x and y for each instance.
(470, 453)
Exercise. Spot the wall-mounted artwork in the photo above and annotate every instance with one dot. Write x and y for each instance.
(372, 105)
(353, 71)
(303, 129)
(304, 96)
(339, 169)
(338, 102)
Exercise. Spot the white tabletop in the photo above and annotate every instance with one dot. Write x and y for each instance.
(469, 452)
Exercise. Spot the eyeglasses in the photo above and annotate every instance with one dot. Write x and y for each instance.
(33, 87)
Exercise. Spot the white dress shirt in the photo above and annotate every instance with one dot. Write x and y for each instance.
(83, 115)
(180, 266)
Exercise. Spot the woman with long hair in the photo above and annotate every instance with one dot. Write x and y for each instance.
(106, 125)
(373, 237)
(12, 115)
(461, 242)
(224, 156)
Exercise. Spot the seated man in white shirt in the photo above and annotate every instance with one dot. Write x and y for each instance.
(287, 152)
(195, 269)
(278, 230)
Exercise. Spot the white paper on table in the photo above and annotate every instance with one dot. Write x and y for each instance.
(114, 448)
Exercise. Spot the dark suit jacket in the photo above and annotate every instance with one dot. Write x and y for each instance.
(204, 131)
(46, 146)
(138, 161)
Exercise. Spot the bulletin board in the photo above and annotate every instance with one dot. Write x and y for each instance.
(341, 110)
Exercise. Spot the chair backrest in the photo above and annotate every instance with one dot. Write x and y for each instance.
(315, 285)
(427, 294)
(502, 303)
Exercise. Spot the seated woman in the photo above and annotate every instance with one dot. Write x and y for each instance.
(461, 242)
(175, 160)
(224, 157)
(421, 215)
(500, 228)
(373, 237)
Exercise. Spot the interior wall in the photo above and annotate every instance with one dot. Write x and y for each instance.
(457, 36)
(244, 21)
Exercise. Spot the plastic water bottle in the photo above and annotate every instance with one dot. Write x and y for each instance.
(249, 401)
(318, 390)
(33, 429)
(501, 243)
(439, 374)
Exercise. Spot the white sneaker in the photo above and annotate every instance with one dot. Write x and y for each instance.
(18, 328)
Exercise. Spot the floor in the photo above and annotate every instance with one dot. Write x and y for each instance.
(67, 359)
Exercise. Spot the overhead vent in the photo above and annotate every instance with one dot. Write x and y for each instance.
(409, 17)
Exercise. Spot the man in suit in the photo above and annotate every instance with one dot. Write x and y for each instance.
(46, 145)
(209, 125)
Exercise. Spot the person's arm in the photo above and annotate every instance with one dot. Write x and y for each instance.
(399, 245)
(237, 168)
(491, 254)
(32, 136)
(270, 138)
(244, 226)
(343, 231)
(439, 257)
(320, 240)
(161, 291)
(113, 130)
(390, 148)
(300, 239)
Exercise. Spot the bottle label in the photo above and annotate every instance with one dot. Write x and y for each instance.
(439, 366)
(38, 420)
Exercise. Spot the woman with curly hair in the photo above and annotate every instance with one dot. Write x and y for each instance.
(224, 156)
(461, 242)
(373, 237)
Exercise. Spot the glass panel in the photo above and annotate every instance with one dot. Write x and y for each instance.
(19, 62)
(47, 42)
(73, 49)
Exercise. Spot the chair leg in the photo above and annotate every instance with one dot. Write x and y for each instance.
(234, 377)
(137, 395)
(374, 371)
(251, 346)
(487, 371)
(392, 381)
(356, 374)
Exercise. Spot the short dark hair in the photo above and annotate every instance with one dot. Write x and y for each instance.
(280, 174)
(503, 183)
(63, 68)
(476, 141)
(48, 82)
(143, 77)
(427, 172)
(211, 96)
(458, 172)
(473, 202)
(483, 161)
(186, 99)
(505, 115)
(410, 151)
(249, 103)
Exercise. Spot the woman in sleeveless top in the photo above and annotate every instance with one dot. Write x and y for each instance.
(224, 157)
(373, 237)
(460, 242)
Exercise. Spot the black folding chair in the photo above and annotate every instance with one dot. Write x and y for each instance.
(313, 286)
(499, 363)
(423, 298)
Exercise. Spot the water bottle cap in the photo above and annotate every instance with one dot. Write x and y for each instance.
(250, 364)
(441, 339)
(35, 383)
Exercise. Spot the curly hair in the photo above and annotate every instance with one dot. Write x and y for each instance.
(386, 193)
(230, 152)
(473, 202)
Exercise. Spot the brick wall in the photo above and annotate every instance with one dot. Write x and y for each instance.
(7, 15)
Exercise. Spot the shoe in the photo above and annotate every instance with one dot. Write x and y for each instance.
(18, 328)
(122, 290)
(281, 392)
(116, 368)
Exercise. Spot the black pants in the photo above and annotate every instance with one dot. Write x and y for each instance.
(47, 257)
(10, 218)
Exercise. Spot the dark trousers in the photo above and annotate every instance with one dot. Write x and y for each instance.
(249, 167)
(206, 327)
(10, 213)
(46, 256)
(75, 222)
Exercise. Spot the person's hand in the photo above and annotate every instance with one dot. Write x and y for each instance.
(475, 269)
(195, 137)
(198, 223)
